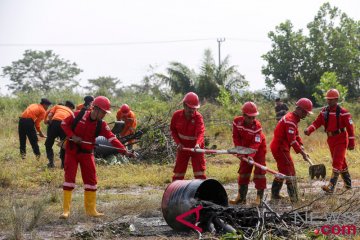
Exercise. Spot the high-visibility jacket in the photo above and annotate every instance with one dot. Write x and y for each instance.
(59, 112)
(335, 124)
(187, 132)
(86, 129)
(248, 136)
(36, 112)
(130, 122)
(286, 134)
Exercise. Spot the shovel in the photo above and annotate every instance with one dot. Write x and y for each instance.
(262, 167)
(317, 170)
(236, 150)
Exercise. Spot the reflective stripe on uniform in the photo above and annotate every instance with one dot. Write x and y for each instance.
(245, 175)
(88, 186)
(259, 176)
(68, 184)
(200, 173)
(186, 137)
(179, 174)
(111, 139)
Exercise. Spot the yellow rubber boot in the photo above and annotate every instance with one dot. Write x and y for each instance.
(259, 197)
(66, 205)
(90, 204)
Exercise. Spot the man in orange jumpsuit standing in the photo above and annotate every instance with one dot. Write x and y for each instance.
(29, 121)
(80, 150)
(247, 132)
(286, 135)
(53, 118)
(187, 129)
(125, 114)
(339, 128)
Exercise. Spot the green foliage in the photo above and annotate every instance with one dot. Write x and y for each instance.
(329, 80)
(41, 71)
(104, 86)
(298, 61)
(208, 82)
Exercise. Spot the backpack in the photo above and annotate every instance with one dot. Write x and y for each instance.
(79, 117)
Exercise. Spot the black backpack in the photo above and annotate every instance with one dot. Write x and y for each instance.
(326, 116)
(78, 118)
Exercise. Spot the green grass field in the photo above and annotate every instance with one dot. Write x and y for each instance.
(31, 194)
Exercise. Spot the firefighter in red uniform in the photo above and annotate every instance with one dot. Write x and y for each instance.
(286, 135)
(247, 132)
(79, 152)
(187, 129)
(339, 128)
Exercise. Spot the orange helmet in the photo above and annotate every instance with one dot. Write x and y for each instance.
(305, 104)
(103, 103)
(250, 109)
(125, 109)
(191, 100)
(332, 94)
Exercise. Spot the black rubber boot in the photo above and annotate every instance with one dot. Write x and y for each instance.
(275, 190)
(347, 179)
(241, 197)
(293, 191)
(331, 186)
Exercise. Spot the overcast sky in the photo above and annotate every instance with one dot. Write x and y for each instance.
(122, 38)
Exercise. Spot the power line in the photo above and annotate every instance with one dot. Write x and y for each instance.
(121, 43)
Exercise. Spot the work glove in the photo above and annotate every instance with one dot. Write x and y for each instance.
(197, 146)
(76, 139)
(131, 154)
(180, 147)
(307, 132)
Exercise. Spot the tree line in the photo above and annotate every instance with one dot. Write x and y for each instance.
(305, 64)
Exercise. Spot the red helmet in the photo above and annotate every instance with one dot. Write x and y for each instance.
(125, 108)
(103, 103)
(250, 109)
(191, 100)
(332, 94)
(305, 104)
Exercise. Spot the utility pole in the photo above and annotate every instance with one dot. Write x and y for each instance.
(220, 40)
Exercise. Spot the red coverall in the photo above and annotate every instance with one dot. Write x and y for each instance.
(250, 137)
(83, 153)
(338, 139)
(286, 135)
(188, 133)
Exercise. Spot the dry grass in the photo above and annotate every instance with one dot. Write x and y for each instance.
(123, 190)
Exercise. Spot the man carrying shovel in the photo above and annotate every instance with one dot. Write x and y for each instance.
(80, 150)
(339, 128)
(187, 129)
(247, 132)
(286, 135)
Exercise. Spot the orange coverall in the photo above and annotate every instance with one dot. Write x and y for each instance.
(29, 121)
(130, 123)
